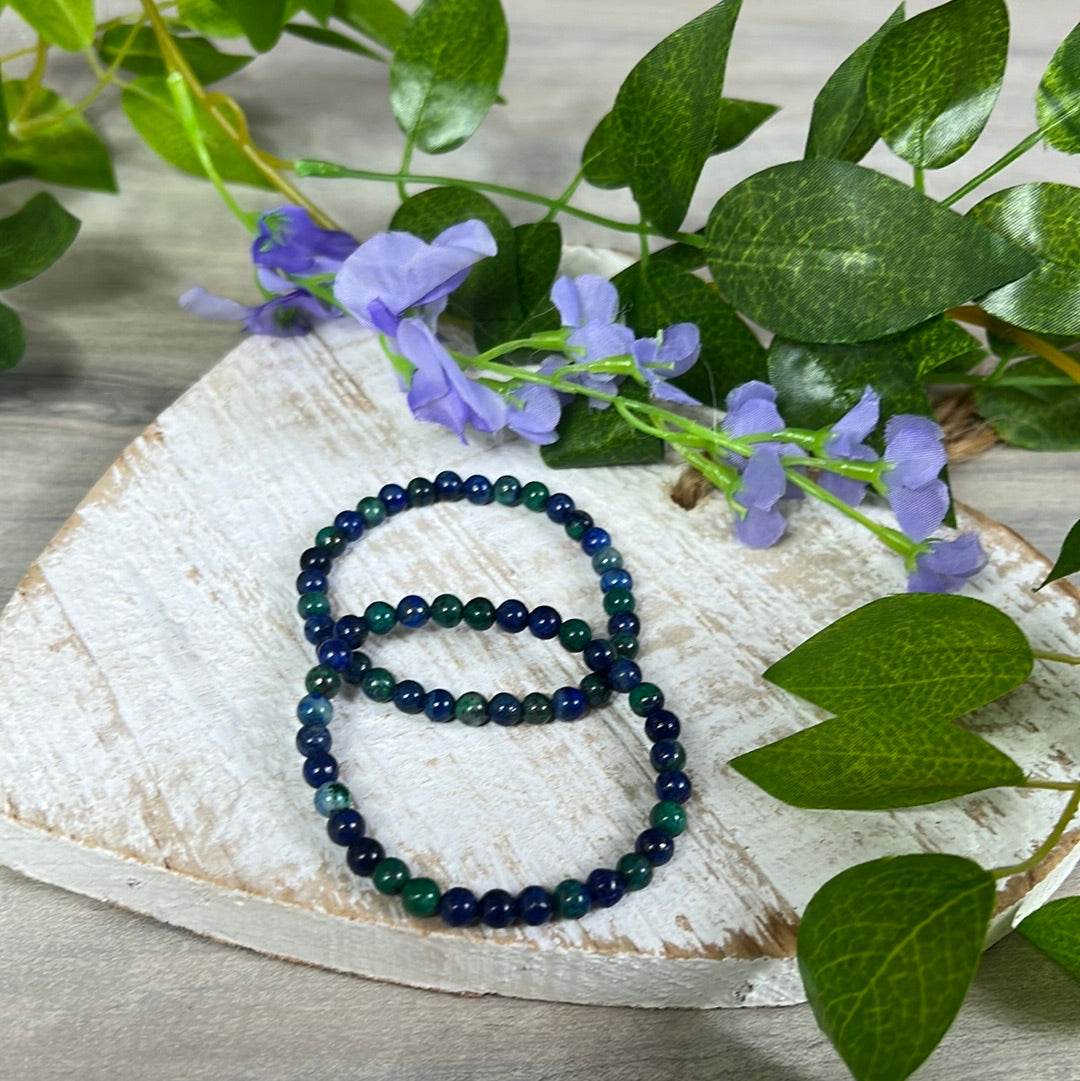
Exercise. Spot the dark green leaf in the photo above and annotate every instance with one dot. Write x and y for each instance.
(667, 118)
(687, 256)
(322, 36)
(589, 437)
(1057, 101)
(1041, 218)
(381, 20)
(932, 81)
(446, 70)
(1055, 930)
(33, 238)
(144, 58)
(1068, 560)
(262, 20)
(660, 293)
(319, 10)
(840, 125)
(67, 23)
(12, 341)
(887, 950)
(1044, 415)
(149, 107)
(869, 761)
(537, 253)
(64, 149)
(737, 120)
(822, 251)
(913, 654)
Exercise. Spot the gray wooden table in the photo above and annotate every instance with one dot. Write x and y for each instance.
(88, 991)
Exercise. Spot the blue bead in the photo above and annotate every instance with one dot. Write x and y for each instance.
(310, 581)
(559, 506)
(413, 611)
(351, 524)
(363, 855)
(535, 905)
(334, 653)
(568, 704)
(352, 630)
(656, 845)
(345, 827)
(314, 709)
(458, 906)
(449, 487)
(624, 621)
(594, 539)
(353, 672)
(318, 628)
(498, 908)
(607, 559)
(623, 674)
(512, 616)
(421, 492)
(316, 559)
(544, 621)
(478, 489)
(313, 739)
(616, 579)
(320, 768)
(662, 724)
(394, 497)
(504, 709)
(409, 696)
(666, 754)
(598, 655)
(605, 887)
(673, 784)
(439, 705)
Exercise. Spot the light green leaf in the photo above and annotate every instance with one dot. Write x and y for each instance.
(381, 20)
(150, 109)
(208, 17)
(144, 58)
(321, 36)
(1043, 414)
(67, 23)
(33, 238)
(1041, 218)
(887, 950)
(821, 251)
(1057, 100)
(841, 125)
(53, 143)
(913, 654)
(446, 70)
(261, 20)
(1054, 930)
(1068, 560)
(932, 81)
(12, 340)
(870, 761)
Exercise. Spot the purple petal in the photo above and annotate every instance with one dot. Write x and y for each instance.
(535, 415)
(763, 480)
(680, 347)
(913, 446)
(919, 511)
(288, 315)
(947, 565)
(854, 426)
(760, 528)
(660, 388)
(752, 415)
(752, 390)
(210, 306)
(588, 298)
(602, 341)
(288, 240)
(851, 491)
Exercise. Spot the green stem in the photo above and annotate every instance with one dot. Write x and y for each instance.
(406, 161)
(32, 84)
(1061, 658)
(968, 313)
(1053, 786)
(918, 179)
(560, 204)
(1047, 846)
(1007, 158)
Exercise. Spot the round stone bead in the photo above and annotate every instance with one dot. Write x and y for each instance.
(380, 617)
(574, 635)
(364, 855)
(618, 600)
(623, 675)
(624, 621)
(330, 797)
(372, 510)
(477, 489)
(577, 521)
(636, 871)
(673, 784)
(669, 816)
(598, 655)
(507, 491)
(607, 559)
(412, 611)
(458, 907)
(421, 492)
(410, 696)
(420, 897)
(667, 754)
(312, 604)
(498, 908)
(535, 905)
(439, 705)
(390, 875)
(568, 704)
(310, 581)
(323, 681)
(351, 523)
(662, 724)
(559, 507)
(446, 610)
(656, 845)
(352, 630)
(504, 709)
(313, 739)
(320, 768)
(644, 698)
(378, 684)
(471, 709)
(314, 709)
(625, 645)
(479, 613)
(394, 498)
(512, 615)
(354, 671)
(536, 708)
(572, 899)
(332, 539)
(345, 826)
(615, 579)
(334, 653)
(605, 887)
(544, 621)
(449, 487)
(534, 495)
(596, 689)
(594, 539)
(318, 628)
(316, 559)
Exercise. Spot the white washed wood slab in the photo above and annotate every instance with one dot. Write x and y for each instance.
(152, 658)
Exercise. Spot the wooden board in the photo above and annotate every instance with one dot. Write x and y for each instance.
(152, 660)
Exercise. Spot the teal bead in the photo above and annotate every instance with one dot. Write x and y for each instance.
(380, 617)
(446, 610)
(670, 816)
(574, 635)
(322, 680)
(625, 644)
(572, 899)
(479, 613)
(534, 495)
(607, 559)
(313, 604)
(378, 684)
(507, 491)
(332, 539)
(330, 797)
(471, 709)
(644, 698)
(390, 875)
(596, 689)
(372, 509)
(635, 869)
(420, 896)
(618, 600)
(536, 708)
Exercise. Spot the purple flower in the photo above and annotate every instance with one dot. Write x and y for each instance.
(947, 565)
(672, 352)
(290, 242)
(585, 299)
(286, 315)
(761, 486)
(914, 456)
(751, 408)
(534, 413)
(392, 273)
(846, 442)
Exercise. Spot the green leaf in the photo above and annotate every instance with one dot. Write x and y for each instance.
(150, 109)
(208, 17)
(12, 341)
(1057, 100)
(33, 238)
(589, 436)
(262, 20)
(321, 36)
(1068, 560)
(1044, 415)
(446, 70)
(913, 654)
(887, 950)
(821, 251)
(67, 23)
(871, 761)
(1054, 930)
(319, 10)
(661, 293)
(144, 58)
(841, 125)
(381, 20)
(53, 143)
(1041, 218)
(932, 81)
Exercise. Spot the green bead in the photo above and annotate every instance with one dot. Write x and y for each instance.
(507, 491)
(535, 495)
(446, 610)
(635, 869)
(625, 644)
(380, 617)
(378, 684)
(575, 528)
(390, 875)
(313, 604)
(670, 816)
(536, 708)
(322, 680)
(607, 559)
(332, 539)
(596, 689)
(372, 509)
(571, 899)
(575, 635)
(479, 613)
(420, 896)
(644, 698)
(618, 600)
(471, 709)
